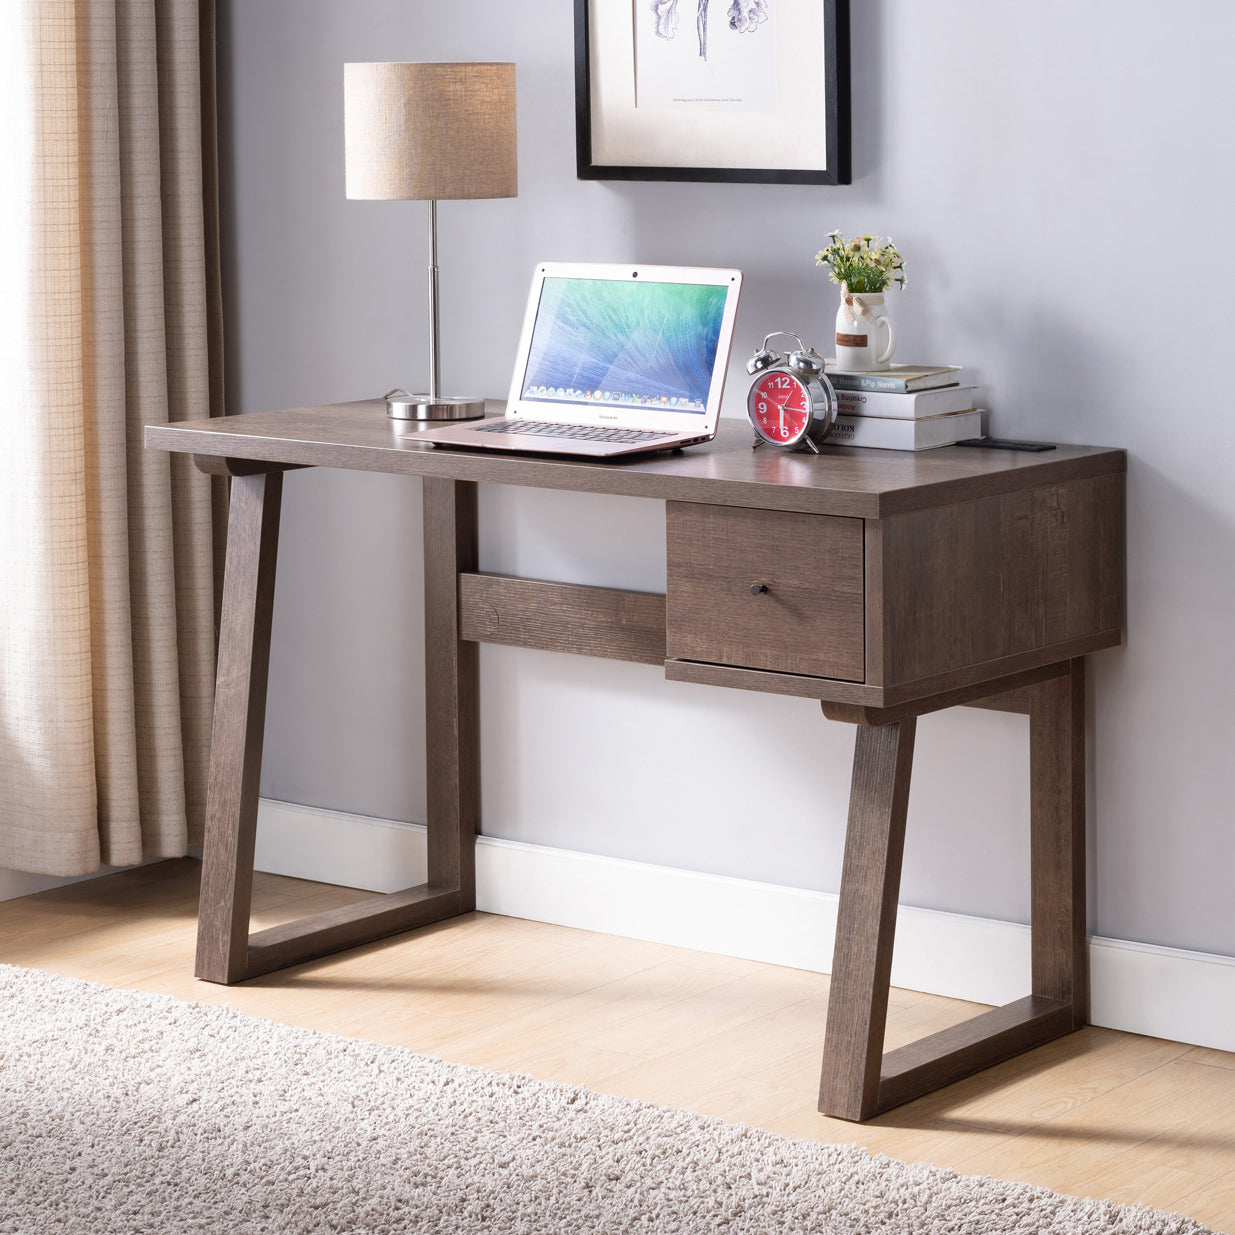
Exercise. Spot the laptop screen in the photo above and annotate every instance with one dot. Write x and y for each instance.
(625, 342)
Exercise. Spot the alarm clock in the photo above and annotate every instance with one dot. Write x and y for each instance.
(791, 403)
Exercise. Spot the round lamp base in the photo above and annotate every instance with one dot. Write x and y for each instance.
(402, 406)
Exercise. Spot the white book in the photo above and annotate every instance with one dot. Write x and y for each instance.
(906, 406)
(887, 433)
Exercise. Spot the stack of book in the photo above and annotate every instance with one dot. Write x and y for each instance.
(903, 407)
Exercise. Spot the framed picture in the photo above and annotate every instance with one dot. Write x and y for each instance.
(747, 91)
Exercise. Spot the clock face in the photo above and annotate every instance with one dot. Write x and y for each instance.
(779, 407)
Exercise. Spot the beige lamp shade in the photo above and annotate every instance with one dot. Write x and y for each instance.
(429, 131)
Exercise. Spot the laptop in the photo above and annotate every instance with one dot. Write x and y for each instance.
(613, 360)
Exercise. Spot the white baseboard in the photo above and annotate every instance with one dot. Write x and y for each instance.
(19, 883)
(14, 884)
(1139, 988)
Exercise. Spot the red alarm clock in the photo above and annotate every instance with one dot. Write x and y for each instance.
(791, 403)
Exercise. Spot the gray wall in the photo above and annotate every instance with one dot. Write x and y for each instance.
(1059, 179)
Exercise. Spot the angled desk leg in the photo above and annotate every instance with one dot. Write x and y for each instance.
(239, 720)
(226, 952)
(858, 1080)
(866, 919)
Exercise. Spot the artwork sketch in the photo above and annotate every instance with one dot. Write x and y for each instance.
(744, 17)
(712, 69)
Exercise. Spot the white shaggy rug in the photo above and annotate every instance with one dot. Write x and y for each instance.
(131, 1113)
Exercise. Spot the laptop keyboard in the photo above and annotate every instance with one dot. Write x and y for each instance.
(578, 433)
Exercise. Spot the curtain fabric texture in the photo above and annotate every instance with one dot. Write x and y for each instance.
(108, 305)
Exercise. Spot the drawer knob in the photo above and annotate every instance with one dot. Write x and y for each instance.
(756, 588)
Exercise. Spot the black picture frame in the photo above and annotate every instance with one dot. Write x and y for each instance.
(837, 118)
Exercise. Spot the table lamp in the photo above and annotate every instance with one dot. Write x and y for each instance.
(430, 132)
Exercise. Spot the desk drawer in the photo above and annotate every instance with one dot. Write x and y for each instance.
(809, 620)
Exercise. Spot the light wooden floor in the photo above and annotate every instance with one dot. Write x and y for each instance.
(1098, 1113)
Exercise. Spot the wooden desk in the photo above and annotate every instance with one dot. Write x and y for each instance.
(893, 584)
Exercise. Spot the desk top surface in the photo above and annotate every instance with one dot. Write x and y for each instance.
(843, 480)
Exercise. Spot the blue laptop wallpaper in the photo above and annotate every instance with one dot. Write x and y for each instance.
(636, 344)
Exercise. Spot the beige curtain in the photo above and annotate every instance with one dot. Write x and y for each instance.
(108, 307)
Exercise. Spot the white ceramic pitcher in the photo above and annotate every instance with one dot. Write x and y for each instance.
(865, 336)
